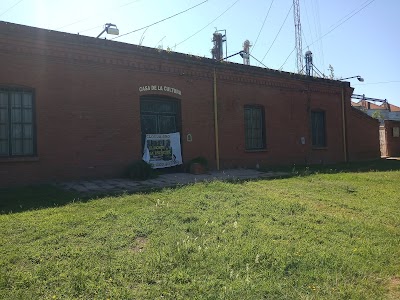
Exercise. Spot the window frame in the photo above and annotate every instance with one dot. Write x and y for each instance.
(318, 144)
(9, 91)
(263, 147)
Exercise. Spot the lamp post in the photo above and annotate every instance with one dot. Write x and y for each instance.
(110, 29)
(359, 78)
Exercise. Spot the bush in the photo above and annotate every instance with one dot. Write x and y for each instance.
(140, 170)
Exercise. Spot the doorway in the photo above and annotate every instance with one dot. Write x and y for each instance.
(159, 114)
(382, 141)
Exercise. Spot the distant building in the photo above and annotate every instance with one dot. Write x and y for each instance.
(389, 117)
(389, 134)
(386, 110)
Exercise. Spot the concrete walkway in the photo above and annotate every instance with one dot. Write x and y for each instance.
(112, 186)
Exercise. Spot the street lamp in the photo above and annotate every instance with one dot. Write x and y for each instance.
(359, 78)
(110, 29)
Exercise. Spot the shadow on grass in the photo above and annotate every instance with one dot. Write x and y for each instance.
(15, 200)
(20, 199)
(379, 165)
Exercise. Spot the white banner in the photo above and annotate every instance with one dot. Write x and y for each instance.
(162, 150)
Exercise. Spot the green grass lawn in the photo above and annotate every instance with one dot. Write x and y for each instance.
(320, 236)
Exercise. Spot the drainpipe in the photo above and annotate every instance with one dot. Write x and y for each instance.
(216, 119)
(344, 127)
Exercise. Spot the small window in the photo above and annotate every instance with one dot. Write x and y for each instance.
(16, 122)
(254, 125)
(396, 132)
(318, 129)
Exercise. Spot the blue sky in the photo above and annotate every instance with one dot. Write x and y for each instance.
(356, 37)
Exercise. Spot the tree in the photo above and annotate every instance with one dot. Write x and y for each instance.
(378, 115)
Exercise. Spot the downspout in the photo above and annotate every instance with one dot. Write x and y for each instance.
(344, 127)
(216, 119)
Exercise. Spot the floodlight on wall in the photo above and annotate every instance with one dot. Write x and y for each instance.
(110, 29)
(359, 78)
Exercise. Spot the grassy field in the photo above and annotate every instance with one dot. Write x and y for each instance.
(315, 236)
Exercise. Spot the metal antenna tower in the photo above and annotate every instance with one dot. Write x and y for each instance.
(297, 27)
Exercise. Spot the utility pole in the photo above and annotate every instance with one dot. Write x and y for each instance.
(297, 27)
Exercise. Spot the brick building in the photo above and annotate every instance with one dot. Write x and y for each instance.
(390, 138)
(78, 107)
(384, 111)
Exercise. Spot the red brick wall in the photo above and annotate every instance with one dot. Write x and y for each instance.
(88, 106)
(287, 118)
(88, 102)
(392, 142)
(362, 135)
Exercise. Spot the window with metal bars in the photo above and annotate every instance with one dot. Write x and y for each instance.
(17, 132)
(254, 127)
(318, 129)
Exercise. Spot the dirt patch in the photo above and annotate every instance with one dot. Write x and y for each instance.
(394, 288)
(140, 244)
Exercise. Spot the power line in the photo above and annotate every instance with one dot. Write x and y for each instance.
(287, 58)
(262, 26)
(318, 23)
(241, 52)
(304, 37)
(382, 82)
(160, 20)
(258, 61)
(91, 28)
(308, 21)
(7, 10)
(158, 44)
(176, 45)
(278, 32)
(348, 18)
(94, 15)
